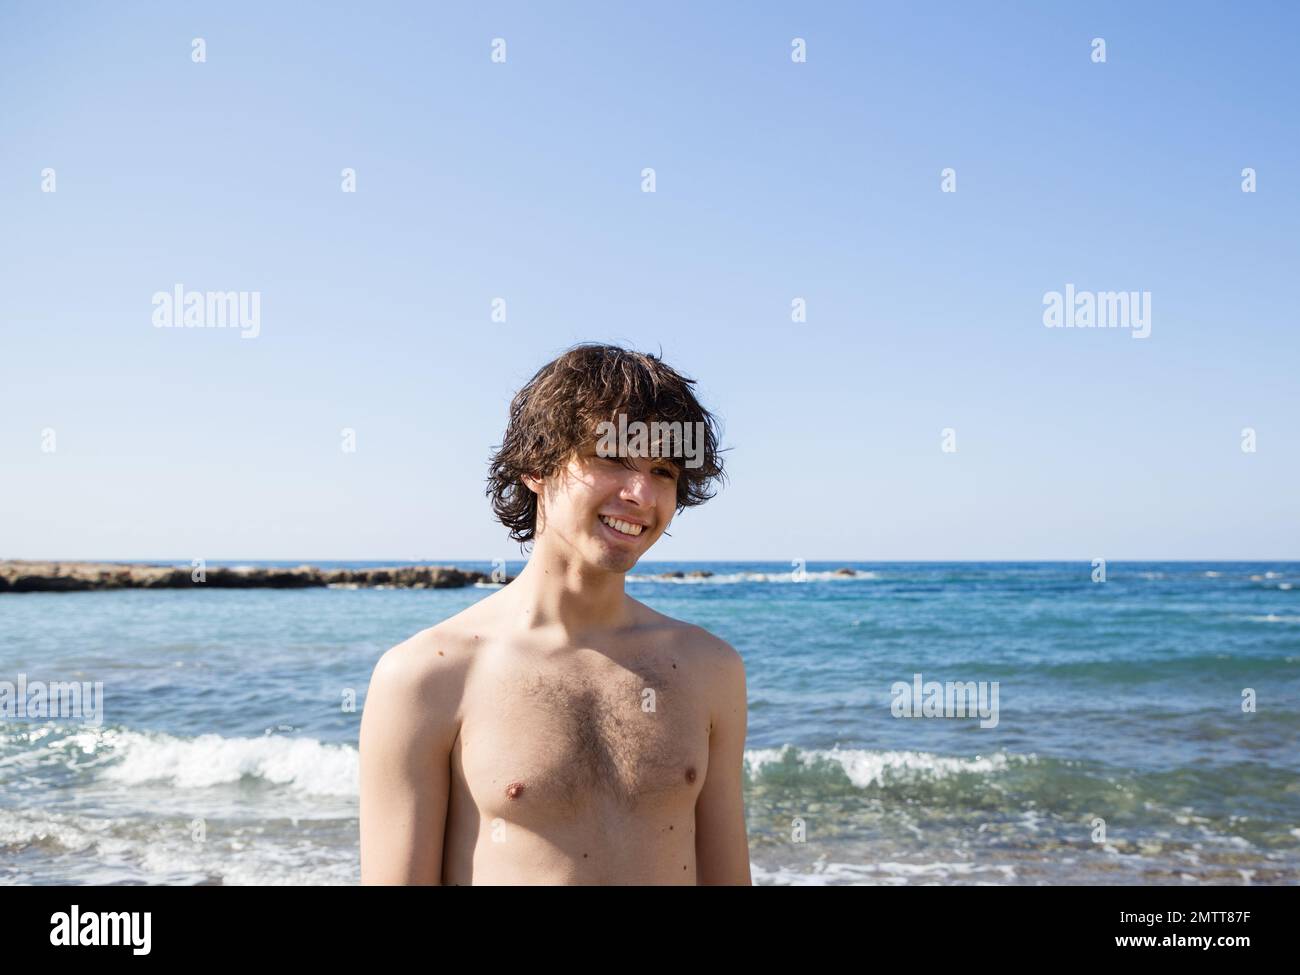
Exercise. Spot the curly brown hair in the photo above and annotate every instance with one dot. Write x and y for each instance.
(558, 412)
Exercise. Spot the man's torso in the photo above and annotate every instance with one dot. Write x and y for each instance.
(577, 764)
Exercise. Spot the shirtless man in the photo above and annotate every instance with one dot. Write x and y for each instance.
(560, 731)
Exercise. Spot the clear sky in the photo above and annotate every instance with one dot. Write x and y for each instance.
(775, 180)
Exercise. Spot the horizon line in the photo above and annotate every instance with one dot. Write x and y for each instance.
(782, 561)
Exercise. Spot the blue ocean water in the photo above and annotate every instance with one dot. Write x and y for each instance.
(1121, 753)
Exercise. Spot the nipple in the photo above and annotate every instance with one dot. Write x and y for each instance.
(514, 790)
(690, 774)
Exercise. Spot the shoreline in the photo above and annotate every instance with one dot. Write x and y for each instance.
(36, 576)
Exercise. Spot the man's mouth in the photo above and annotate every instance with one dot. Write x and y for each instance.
(624, 529)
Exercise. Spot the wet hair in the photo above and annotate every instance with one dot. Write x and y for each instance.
(558, 413)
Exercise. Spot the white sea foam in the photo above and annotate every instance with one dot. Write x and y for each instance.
(302, 764)
(865, 768)
(20, 828)
(108, 851)
(826, 874)
(730, 578)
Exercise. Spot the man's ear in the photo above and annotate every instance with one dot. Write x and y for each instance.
(533, 484)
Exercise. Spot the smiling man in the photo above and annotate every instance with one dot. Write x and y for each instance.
(560, 731)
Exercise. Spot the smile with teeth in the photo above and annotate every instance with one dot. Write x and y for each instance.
(622, 527)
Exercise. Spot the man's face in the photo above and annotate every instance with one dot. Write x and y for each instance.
(578, 504)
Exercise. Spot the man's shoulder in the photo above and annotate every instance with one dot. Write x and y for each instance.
(722, 661)
(716, 668)
(413, 700)
(699, 642)
(430, 662)
(719, 651)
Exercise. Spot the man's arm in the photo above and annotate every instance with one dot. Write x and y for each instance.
(407, 730)
(721, 844)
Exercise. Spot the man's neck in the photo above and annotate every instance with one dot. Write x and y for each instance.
(556, 591)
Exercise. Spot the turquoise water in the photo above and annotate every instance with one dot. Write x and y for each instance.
(226, 755)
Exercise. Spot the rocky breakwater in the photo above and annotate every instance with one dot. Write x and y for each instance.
(20, 576)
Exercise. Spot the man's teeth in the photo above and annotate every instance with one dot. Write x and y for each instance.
(626, 527)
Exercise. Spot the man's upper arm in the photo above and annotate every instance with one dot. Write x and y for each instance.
(407, 730)
(721, 843)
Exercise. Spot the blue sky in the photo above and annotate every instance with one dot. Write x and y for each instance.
(775, 180)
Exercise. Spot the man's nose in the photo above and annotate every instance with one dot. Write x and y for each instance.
(638, 486)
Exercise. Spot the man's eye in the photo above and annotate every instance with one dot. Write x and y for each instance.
(666, 471)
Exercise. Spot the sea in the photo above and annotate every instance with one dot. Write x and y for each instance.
(909, 723)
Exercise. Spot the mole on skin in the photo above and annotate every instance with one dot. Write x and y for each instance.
(514, 790)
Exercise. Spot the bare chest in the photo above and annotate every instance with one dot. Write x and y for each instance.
(537, 741)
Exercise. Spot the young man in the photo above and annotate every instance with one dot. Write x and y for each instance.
(559, 731)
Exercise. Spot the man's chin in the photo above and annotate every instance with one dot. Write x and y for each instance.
(613, 560)
(619, 563)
